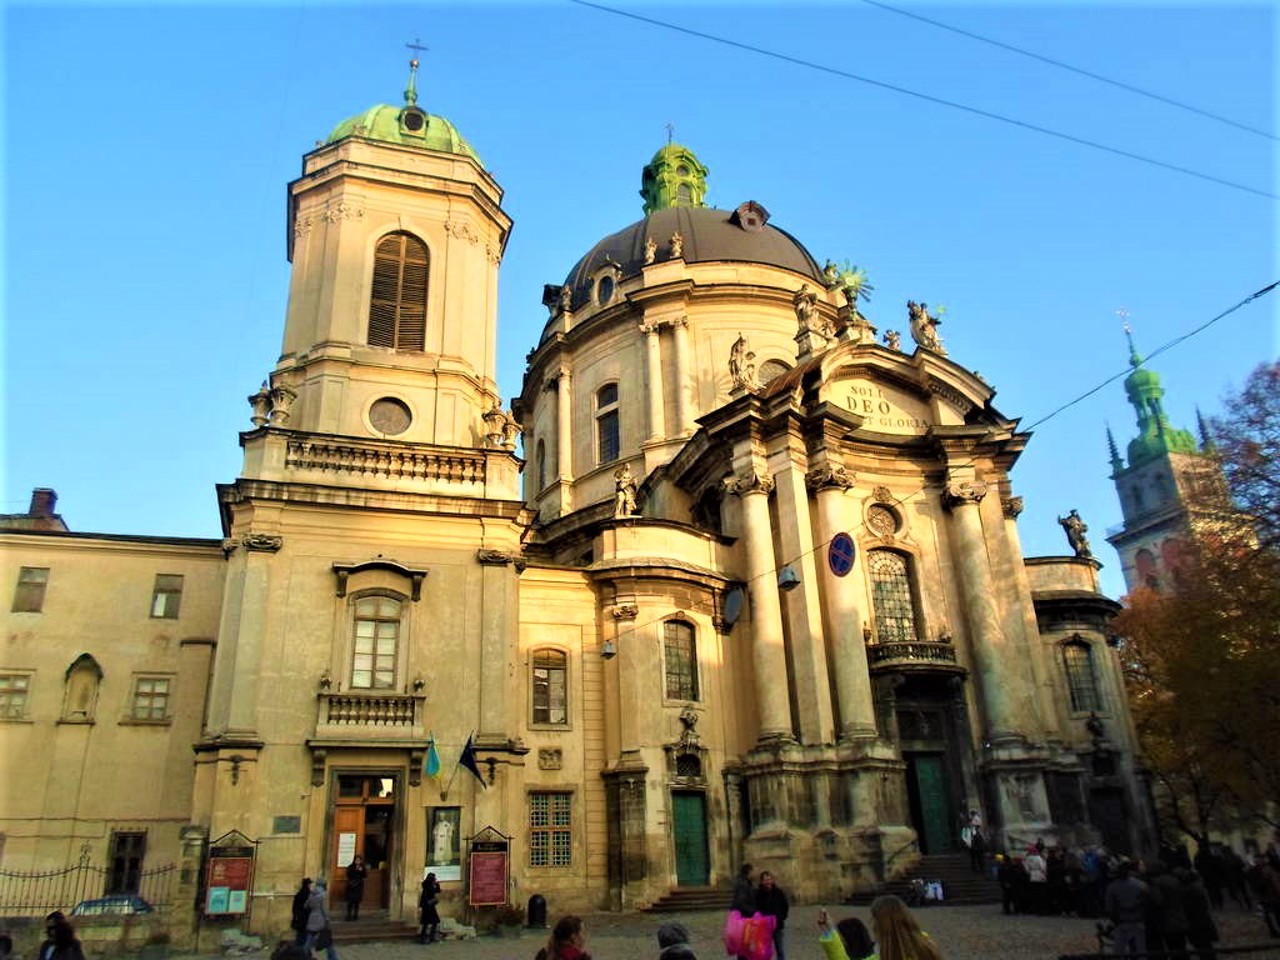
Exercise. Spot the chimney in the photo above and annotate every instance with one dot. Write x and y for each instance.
(43, 502)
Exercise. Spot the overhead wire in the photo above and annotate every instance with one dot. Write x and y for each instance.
(955, 105)
(899, 501)
(1073, 69)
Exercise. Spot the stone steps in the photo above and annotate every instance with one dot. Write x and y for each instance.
(377, 926)
(960, 885)
(692, 898)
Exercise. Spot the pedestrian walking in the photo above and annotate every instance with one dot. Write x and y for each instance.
(1038, 880)
(319, 928)
(60, 942)
(299, 922)
(1126, 904)
(428, 915)
(771, 901)
(1202, 932)
(898, 934)
(673, 942)
(1167, 901)
(356, 874)
(567, 942)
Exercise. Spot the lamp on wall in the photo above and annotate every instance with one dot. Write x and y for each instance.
(609, 650)
(788, 579)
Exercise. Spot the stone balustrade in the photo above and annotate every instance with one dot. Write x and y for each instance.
(395, 715)
(389, 461)
(906, 654)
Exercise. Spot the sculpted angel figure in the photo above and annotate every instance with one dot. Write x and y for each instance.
(650, 250)
(677, 246)
(624, 502)
(806, 304)
(742, 365)
(924, 328)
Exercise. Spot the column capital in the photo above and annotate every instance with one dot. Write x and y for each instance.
(827, 477)
(961, 492)
(1012, 506)
(750, 482)
(626, 611)
(649, 327)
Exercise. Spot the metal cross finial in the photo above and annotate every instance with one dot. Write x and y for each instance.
(416, 46)
(1123, 314)
(671, 132)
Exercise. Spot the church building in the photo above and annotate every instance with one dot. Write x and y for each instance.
(735, 578)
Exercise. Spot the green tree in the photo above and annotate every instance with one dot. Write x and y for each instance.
(1247, 438)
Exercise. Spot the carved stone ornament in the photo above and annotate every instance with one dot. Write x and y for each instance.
(461, 230)
(882, 494)
(281, 402)
(882, 520)
(749, 483)
(493, 558)
(301, 227)
(262, 542)
(649, 326)
(828, 476)
(343, 211)
(964, 491)
(550, 758)
(626, 611)
(1012, 506)
(261, 404)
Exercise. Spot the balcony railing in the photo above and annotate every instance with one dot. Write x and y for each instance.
(370, 716)
(369, 458)
(908, 653)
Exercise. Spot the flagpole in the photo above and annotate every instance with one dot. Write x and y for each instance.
(444, 794)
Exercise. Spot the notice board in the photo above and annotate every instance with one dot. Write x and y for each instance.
(488, 868)
(228, 879)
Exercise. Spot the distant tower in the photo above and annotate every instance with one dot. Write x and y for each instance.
(1167, 483)
(673, 178)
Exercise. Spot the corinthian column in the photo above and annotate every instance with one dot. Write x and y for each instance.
(684, 405)
(841, 610)
(653, 374)
(767, 653)
(564, 426)
(977, 587)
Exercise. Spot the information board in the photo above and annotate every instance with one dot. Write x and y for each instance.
(228, 878)
(488, 869)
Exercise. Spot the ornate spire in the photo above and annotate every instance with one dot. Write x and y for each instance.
(1206, 436)
(1116, 463)
(673, 178)
(1134, 359)
(1156, 436)
(411, 91)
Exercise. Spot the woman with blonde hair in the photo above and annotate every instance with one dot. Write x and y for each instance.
(898, 935)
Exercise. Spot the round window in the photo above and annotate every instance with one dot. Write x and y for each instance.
(390, 416)
(882, 520)
(413, 120)
(682, 171)
(604, 290)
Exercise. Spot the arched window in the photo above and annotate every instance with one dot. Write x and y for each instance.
(608, 438)
(684, 194)
(891, 596)
(770, 369)
(398, 303)
(377, 642)
(540, 466)
(80, 692)
(550, 687)
(681, 652)
(1148, 576)
(1082, 683)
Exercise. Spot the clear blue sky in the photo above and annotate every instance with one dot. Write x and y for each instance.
(147, 148)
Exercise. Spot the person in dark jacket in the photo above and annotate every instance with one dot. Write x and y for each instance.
(1167, 902)
(1212, 871)
(61, 942)
(428, 915)
(772, 902)
(1126, 905)
(356, 874)
(299, 922)
(744, 891)
(673, 942)
(1201, 930)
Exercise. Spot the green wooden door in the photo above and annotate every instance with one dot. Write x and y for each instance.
(690, 816)
(931, 787)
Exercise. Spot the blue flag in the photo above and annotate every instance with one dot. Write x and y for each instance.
(468, 760)
(431, 766)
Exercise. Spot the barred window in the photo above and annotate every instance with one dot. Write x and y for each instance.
(682, 660)
(398, 303)
(891, 596)
(377, 639)
(550, 829)
(1082, 683)
(14, 688)
(150, 698)
(128, 850)
(608, 435)
(28, 595)
(550, 687)
(166, 598)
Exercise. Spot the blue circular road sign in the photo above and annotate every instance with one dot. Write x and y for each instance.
(840, 554)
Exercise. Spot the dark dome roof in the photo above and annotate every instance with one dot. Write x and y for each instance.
(709, 234)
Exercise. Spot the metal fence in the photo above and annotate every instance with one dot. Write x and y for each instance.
(37, 892)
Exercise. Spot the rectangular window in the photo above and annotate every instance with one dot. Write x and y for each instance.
(550, 689)
(377, 640)
(167, 597)
(682, 661)
(608, 434)
(127, 853)
(28, 596)
(13, 695)
(151, 698)
(1081, 683)
(550, 829)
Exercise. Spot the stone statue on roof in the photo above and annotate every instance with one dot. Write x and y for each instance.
(1075, 528)
(924, 328)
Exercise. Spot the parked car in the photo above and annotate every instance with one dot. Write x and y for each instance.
(117, 905)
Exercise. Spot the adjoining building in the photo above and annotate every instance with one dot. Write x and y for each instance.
(760, 598)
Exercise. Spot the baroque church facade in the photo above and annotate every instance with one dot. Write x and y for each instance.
(752, 592)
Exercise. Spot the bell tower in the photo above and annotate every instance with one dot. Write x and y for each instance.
(395, 233)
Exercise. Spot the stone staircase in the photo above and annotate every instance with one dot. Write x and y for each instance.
(960, 884)
(375, 925)
(681, 899)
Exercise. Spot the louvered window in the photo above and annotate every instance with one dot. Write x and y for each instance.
(398, 304)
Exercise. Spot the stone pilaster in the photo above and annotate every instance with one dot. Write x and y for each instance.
(653, 376)
(684, 382)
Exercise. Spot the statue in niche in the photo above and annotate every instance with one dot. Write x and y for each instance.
(1075, 528)
(806, 304)
(742, 365)
(650, 250)
(677, 246)
(924, 328)
(566, 298)
(624, 498)
(893, 339)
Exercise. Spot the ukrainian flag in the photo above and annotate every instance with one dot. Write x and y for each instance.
(431, 766)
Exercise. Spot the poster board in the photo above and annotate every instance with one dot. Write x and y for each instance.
(489, 869)
(444, 845)
(228, 879)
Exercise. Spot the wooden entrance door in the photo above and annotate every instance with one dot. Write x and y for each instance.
(930, 807)
(689, 814)
(364, 816)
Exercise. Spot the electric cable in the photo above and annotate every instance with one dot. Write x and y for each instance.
(835, 71)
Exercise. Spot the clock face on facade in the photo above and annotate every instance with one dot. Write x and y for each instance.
(390, 416)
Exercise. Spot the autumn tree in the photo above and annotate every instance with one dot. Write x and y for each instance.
(1247, 437)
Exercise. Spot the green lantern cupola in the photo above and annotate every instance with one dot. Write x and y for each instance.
(1155, 434)
(673, 178)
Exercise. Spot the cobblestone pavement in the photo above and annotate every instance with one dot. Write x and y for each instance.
(965, 933)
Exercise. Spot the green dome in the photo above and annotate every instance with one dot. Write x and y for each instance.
(407, 126)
